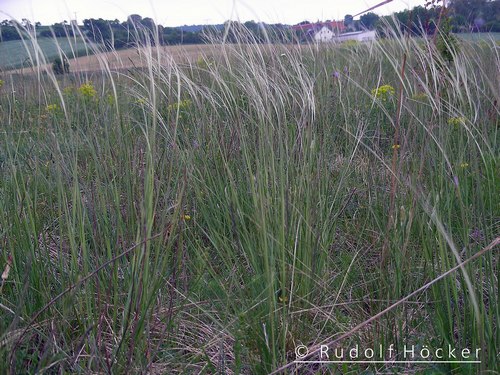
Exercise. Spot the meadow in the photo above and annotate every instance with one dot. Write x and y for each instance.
(213, 215)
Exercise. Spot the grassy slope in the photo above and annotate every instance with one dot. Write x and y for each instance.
(213, 216)
(15, 53)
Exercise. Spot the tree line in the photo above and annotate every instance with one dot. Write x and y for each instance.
(464, 16)
(137, 30)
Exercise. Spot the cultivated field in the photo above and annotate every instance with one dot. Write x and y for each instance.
(232, 211)
(130, 58)
(126, 59)
(16, 54)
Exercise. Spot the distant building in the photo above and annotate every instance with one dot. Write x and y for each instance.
(324, 35)
(333, 31)
(360, 36)
(320, 31)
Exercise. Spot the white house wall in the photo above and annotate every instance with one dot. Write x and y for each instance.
(324, 35)
(362, 36)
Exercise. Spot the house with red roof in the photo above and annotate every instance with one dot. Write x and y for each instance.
(320, 31)
(331, 31)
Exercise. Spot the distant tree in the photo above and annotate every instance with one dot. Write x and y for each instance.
(58, 30)
(475, 15)
(279, 33)
(9, 31)
(171, 35)
(142, 30)
(192, 38)
(28, 26)
(98, 30)
(255, 30)
(417, 21)
(134, 20)
(349, 22)
(60, 66)
(234, 31)
(149, 23)
(369, 20)
(459, 23)
(154, 31)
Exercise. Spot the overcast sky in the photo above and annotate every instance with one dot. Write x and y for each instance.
(181, 12)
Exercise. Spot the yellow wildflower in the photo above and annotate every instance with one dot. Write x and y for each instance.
(283, 299)
(51, 108)
(203, 62)
(383, 92)
(187, 217)
(182, 105)
(395, 147)
(87, 90)
(464, 165)
(456, 121)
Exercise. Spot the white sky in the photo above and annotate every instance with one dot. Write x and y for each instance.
(188, 12)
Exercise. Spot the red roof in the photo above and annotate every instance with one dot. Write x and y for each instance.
(337, 25)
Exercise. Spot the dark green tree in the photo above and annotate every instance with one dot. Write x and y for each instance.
(58, 30)
(349, 22)
(60, 66)
(369, 20)
(98, 30)
(475, 15)
(8, 31)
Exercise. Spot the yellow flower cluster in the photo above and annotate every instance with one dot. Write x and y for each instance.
(383, 92)
(456, 121)
(283, 299)
(203, 63)
(110, 99)
(182, 105)
(87, 90)
(52, 108)
(464, 165)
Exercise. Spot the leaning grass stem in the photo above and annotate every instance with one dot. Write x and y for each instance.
(395, 153)
(330, 343)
